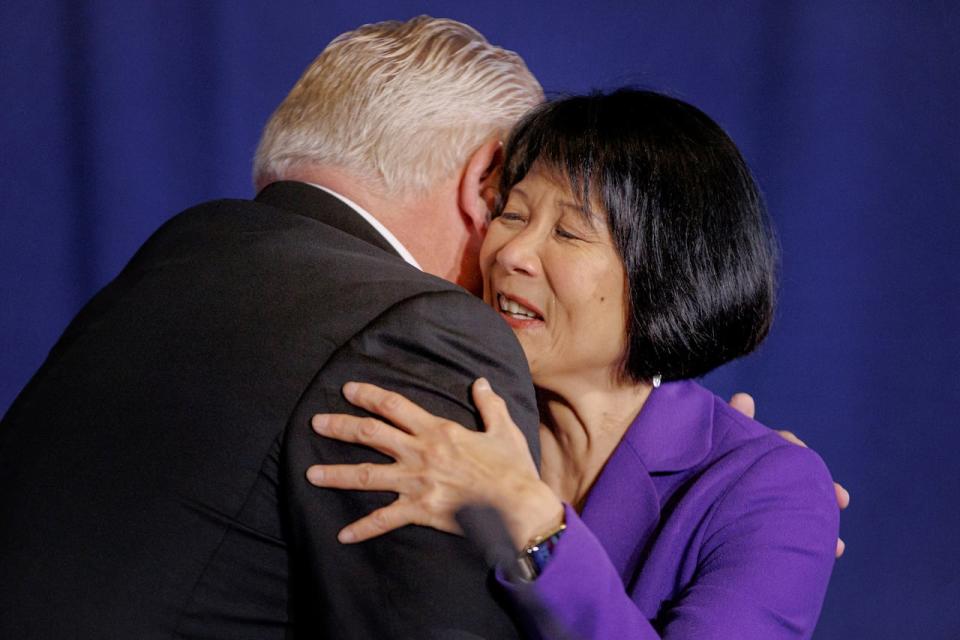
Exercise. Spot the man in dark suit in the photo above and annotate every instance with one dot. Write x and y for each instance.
(152, 472)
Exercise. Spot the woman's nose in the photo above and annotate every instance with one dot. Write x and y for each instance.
(520, 254)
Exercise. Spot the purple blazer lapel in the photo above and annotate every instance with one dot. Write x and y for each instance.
(672, 433)
(623, 509)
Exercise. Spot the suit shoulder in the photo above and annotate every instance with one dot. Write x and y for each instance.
(439, 340)
(450, 313)
(436, 293)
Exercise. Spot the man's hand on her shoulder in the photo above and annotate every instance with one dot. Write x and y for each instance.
(743, 402)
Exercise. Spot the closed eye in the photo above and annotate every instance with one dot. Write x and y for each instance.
(511, 216)
(566, 235)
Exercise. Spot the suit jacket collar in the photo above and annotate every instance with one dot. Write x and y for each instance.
(672, 433)
(307, 200)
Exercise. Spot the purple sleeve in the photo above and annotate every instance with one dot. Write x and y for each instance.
(581, 590)
(766, 550)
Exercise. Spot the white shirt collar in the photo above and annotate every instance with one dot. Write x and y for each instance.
(376, 224)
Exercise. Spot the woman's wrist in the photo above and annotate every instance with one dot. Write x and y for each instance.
(533, 559)
(535, 511)
(539, 531)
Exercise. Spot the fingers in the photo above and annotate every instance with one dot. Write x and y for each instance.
(392, 406)
(366, 431)
(843, 501)
(393, 516)
(493, 410)
(843, 496)
(792, 438)
(363, 477)
(743, 402)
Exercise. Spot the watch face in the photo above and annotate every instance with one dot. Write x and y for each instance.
(527, 571)
(537, 555)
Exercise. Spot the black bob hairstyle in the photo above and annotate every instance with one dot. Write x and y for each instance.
(685, 215)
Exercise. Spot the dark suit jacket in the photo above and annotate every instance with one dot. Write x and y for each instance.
(152, 472)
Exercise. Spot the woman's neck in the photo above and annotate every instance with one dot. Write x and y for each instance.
(580, 428)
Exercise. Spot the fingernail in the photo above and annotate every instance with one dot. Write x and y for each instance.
(315, 475)
(482, 384)
(346, 536)
(319, 421)
(349, 389)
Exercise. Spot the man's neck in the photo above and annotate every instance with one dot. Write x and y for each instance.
(375, 223)
(423, 223)
(344, 184)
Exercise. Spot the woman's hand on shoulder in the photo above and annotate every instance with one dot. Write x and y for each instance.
(439, 466)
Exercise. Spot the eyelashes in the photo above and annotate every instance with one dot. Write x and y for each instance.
(512, 217)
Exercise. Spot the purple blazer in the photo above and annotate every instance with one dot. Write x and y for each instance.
(703, 524)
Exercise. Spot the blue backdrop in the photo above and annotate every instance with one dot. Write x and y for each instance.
(116, 115)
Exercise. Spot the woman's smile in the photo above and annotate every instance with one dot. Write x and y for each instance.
(552, 272)
(518, 312)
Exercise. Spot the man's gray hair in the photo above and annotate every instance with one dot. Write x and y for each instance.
(398, 104)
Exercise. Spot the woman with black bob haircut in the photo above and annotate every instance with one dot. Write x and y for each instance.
(630, 252)
(684, 214)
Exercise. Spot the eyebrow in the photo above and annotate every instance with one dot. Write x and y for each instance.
(516, 189)
(592, 218)
(587, 214)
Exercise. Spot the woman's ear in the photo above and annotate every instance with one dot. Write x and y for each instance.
(478, 185)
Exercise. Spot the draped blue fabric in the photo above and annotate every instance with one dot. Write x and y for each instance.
(116, 115)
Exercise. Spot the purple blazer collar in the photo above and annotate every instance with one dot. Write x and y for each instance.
(674, 430)
(672, 433)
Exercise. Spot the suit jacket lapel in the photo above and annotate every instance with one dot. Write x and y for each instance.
(307, 200)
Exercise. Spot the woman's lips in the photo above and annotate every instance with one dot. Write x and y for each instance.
(518, 313)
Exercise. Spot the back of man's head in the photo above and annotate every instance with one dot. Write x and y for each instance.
(398, 105)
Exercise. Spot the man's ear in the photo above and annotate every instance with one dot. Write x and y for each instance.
(478, 185)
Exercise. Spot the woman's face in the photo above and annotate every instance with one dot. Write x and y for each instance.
(558, 281)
